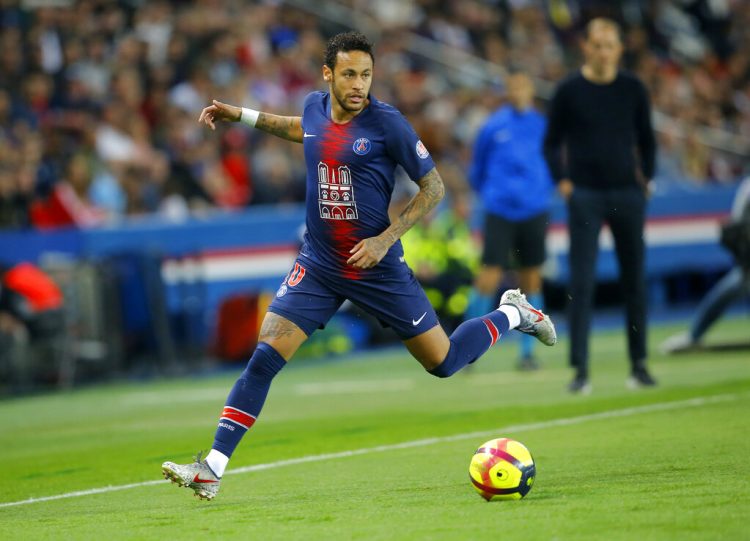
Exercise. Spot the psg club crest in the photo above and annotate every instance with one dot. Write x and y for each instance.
(422, 150)
(362, 146)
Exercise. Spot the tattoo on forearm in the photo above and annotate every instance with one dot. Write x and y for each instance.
(276, 327)
(431, 191)
(286, 127)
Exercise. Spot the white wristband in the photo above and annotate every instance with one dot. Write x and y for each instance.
(249, 116)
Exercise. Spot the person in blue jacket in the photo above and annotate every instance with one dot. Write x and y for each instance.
(510, 176)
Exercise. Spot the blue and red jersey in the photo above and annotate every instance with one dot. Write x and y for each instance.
(350, 178)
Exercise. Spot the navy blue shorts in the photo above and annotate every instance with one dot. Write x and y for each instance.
(309, 296)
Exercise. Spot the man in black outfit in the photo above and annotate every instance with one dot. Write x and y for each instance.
(601, 118)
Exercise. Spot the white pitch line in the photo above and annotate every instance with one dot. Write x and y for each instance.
(353, 387)
(566, 421)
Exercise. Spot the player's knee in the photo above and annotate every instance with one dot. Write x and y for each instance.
(447, 366)
(443, 370)
(265, 363)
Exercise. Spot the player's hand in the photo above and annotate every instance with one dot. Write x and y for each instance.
(219, 111)
(368, 252)
(565, 188)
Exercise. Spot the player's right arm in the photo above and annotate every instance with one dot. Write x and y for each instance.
(368, 252)
(286, 127)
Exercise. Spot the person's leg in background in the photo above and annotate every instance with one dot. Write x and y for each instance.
(482, 296)
(584, 222)
(626, 215)
(531, 252)
(530, 280)
(495, 253)
(728, 289)
(732, 286)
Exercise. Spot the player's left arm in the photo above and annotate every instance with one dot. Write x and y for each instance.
(368, 252)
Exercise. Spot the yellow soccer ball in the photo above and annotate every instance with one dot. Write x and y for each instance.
(502, 469)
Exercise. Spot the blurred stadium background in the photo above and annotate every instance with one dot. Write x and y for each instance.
(167, 239)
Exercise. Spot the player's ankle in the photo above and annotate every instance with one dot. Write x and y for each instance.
(217, 461)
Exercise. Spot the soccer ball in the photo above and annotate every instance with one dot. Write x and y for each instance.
(502, 469)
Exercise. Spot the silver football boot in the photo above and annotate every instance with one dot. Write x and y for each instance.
(533, 321)
(197, 476)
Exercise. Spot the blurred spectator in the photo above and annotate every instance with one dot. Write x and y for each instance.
(31, 312)
(69, 202)
(128, 78)
(733, 286)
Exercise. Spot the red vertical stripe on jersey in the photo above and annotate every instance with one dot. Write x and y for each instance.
(342, 233)
(494, 333)
(237, 416)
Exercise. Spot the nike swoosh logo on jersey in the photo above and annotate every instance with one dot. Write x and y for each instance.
(197, 479)
(416, 322)
(309, 135)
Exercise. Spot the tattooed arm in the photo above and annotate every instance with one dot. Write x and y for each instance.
(286, 127)
(368, 252)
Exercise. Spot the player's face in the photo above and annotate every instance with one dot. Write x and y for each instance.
(350, 80)
(603, 48)
(520, 91)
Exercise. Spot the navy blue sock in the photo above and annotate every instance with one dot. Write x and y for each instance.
(470, 340)
(246, 398)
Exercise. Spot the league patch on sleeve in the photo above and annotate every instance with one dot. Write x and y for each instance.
(422, 150)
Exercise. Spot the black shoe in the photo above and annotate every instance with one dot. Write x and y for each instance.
(640, 379)
(580, 385)
(527, 364)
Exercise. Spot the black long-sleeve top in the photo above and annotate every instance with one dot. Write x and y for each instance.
(605, 131)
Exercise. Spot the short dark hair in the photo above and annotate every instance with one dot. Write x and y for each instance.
(605, 22)
(347, 41)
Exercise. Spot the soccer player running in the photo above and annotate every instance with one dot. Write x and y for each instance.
(351, 250)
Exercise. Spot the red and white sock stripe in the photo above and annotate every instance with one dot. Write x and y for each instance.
(242, 418)
(494, 333)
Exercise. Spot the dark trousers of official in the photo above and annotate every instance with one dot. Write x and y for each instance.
(624, 210)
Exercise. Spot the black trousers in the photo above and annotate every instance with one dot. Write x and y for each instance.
(624, 210)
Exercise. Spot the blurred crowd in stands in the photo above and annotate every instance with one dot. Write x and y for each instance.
(99, 99)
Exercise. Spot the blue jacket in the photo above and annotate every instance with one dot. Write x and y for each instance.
(508, 170)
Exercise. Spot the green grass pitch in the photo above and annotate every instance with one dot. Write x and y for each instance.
(669, 463)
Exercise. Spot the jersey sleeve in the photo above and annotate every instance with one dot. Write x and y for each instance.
(404, 146)
(310, 99)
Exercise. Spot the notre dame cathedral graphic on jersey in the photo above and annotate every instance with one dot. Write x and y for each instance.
(335, 193)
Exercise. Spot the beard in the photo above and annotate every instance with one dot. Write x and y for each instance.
(341, 99)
